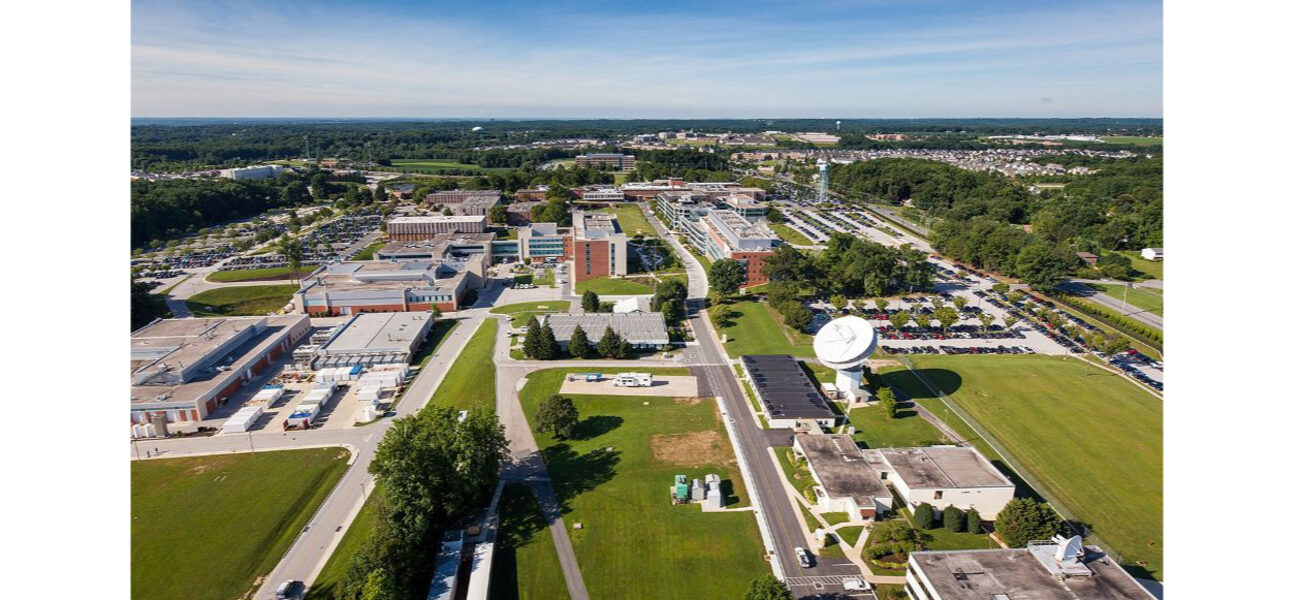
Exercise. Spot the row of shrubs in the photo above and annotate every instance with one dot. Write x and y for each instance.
(1146, 333)
(951, 518)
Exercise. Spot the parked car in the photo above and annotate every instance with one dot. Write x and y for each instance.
(805, 558)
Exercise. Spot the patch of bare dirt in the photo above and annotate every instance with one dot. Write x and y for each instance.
(688, 401)
(698, 448)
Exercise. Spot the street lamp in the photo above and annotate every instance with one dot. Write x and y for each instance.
(250, 442)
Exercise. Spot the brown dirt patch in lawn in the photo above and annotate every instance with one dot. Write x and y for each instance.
(688, 401)
(698, 448)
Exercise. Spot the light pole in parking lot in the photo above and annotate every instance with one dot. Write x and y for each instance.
(250, 442)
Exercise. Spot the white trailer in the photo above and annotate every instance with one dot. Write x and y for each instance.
(633, 380)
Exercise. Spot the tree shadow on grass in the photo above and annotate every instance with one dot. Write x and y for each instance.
(521, 522)
(573, 474)
(907, 385)
(595, 426)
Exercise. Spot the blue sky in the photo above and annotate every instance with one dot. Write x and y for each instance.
(634, 59)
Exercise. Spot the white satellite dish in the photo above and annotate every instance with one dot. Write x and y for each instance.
(842, 345)
(1069, 549)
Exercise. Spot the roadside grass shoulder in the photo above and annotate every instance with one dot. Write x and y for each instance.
(526, 566)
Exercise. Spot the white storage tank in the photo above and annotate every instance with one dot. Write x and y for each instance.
(366, 413)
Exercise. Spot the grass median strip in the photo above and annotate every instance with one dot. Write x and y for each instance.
(526, 566)
(472, 378)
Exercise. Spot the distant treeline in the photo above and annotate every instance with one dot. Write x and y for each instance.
(990, 221)
(174, 144)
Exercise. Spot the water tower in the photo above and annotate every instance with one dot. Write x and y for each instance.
(823, 179)
(842, 345)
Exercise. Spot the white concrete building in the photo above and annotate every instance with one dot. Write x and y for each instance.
(943, 476)
(1153, 253)
(845, 482)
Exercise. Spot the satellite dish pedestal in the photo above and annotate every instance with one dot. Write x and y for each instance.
(842, 345)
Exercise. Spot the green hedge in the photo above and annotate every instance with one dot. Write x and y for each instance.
(1150, 335)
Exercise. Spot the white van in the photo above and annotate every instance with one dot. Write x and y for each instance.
(633, 380)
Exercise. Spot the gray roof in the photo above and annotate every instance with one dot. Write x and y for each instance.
(839, 466)
(942, 467)
(636, 328)
(1016, 573)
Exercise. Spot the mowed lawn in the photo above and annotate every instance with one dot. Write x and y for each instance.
(610, 285)
(526, 566)
(204, 528)
(1138, 298)
(1151, 268)
(878, 430)
(632, 220)
(431, 163)
(790, 234)
(757, 331)
(240, 300)
(269, 273)
(1133, 139)
(634, 543)
(1092, 438)
(472, 378)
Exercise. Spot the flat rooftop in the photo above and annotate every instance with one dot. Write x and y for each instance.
(234, 343)
(385, 275)
(784, 388)
(378, 332)
(636, 328)
(1017, 574)
(839, 466)
(595, 225)
(942, 467)
(742, 228)
(439, 219)
(436, 247)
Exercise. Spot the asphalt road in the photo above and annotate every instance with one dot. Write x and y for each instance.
(1128, 310)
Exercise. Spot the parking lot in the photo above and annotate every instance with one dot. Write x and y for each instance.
(673, 386)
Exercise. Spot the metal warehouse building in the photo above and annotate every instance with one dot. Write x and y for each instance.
(785, 392)
(374, 338)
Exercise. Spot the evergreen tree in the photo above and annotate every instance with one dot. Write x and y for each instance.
(531, 338)
(608, 344)
(590, 301)
(924, 516)
(1023, 520)
(954, 519)
(973, 521)
(547, 347)
(624, 349)
(579, 347)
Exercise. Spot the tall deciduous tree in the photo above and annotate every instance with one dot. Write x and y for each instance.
(558, 416)
(946, 316)
(985, 320)
(900, 319)
(768, 587)
(1009, 320)
(726, 276)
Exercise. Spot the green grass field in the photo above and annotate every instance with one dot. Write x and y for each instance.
(1133, 139)
(368, 253)
(520, 312)
(632, 220)
(526, 566)
(609, 285)
(1138, 298)
(240, 300)
(757, 331)
(472, 378)
(790, 234)
(269, 273)
(204, 528)
(877, 430)
(1093, 439)
(336, 568)
(434, 164)
(1151, 268)
(634, 543)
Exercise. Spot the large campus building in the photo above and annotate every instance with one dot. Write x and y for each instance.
(617, 162)
(371, 339)
(1056, 569)
(450, 198)
(599, 246)
(183, 369)
(406, 229)
(716, 229)
(345, 288)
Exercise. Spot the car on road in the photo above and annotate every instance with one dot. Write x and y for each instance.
(288, 589)
(855, 583)
(805, 558)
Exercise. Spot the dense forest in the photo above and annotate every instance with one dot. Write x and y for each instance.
(163, 210)
(169, 144)
(991, 221)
